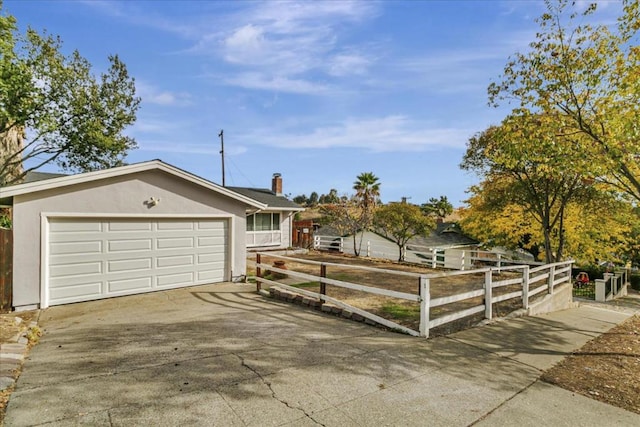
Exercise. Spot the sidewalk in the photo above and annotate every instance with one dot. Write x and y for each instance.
(541, 342)
(223, 355)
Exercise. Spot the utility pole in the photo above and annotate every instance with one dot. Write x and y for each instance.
(221, 135)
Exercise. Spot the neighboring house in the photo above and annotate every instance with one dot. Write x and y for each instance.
(269, 228)
(126, 230)
(452, 248)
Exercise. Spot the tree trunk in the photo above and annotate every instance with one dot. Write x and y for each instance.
(356, 249)
(11, 142)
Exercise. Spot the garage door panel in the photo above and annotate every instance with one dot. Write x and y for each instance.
(208, 258)
(67, 226)
(131, 226)
(174, 261)
(173, 243)
(75, 269)
(176, 225)
(72, 293)
(75, 247)
(98, 258)
(128, 245)
(129, 264)
(209, 241)
(139, 284)
(166, 280)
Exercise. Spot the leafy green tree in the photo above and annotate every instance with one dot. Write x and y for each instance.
(301, 199)
(73, 119)
(525, 158)
(400, 222)
(346, 217)
(313, 199)
(439, 208)
(586, 77)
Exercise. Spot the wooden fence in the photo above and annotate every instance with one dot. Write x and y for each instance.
(530, 281)
(6, 269)
(452, 258)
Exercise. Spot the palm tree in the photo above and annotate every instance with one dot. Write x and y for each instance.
(367, 189)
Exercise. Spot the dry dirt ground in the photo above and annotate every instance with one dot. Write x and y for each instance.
(403, 312)
(606, 368)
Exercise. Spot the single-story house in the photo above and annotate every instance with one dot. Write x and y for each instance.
(270, 228)
(452, 248)
(126, 230)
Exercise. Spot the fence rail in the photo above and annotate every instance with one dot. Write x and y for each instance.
(553, 275)
(456, 258)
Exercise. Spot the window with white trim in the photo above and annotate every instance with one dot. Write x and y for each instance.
(263, 222)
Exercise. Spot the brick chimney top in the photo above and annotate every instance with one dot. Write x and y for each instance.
(276, 184)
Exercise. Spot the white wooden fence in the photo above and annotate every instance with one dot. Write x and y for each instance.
(453, 258)
(531, 282)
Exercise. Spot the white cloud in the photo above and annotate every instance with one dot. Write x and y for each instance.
(348, 64)
(278, 84)
(383, 134)
(153, 95)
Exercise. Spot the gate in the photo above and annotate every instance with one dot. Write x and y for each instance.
(6, 269)
(302, 236)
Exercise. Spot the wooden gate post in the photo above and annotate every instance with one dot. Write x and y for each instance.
(424, 306)
(323, 274)
(258, 273)
(488, 306)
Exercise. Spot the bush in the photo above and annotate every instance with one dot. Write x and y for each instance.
(634, 279)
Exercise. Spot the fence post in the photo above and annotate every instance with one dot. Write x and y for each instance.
(462, 263)
(424, 306)
(368, 248)
(487, 295)
(601, 292)
(552, 277)
(341, 244)
(433, 258)
(499, 263)
(323, 274)
(258, 273)
(525, 287)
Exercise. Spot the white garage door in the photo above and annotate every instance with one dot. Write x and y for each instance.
(100, 258)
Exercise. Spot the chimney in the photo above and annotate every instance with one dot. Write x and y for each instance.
(276, 184)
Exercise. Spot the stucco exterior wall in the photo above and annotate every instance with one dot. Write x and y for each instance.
(124, 195)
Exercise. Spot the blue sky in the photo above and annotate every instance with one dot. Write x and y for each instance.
(317, 91)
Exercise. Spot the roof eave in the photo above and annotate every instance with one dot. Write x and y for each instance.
(65, 181)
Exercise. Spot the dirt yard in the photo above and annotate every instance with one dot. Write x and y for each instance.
(606, 368)
(403, 312)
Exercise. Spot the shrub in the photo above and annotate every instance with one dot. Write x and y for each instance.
(634, 279)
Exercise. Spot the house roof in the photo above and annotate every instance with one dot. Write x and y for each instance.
(445, 235)
(268, 197)
(6, 193)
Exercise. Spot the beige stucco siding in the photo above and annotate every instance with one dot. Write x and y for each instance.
(123, 195)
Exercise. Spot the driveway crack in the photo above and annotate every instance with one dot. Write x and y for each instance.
(273, 392)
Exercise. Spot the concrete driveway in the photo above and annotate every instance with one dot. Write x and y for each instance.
(223, 355)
